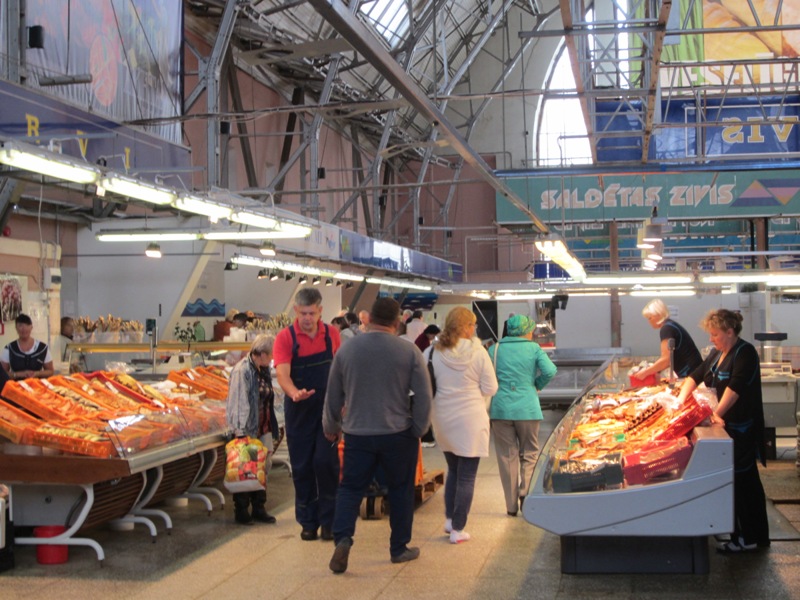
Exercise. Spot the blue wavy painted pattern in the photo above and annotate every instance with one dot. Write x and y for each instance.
(201, 308)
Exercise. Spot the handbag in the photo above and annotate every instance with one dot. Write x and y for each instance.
(430, 371)
(245, 465)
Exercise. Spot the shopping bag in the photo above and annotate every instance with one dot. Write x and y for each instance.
(245, 465)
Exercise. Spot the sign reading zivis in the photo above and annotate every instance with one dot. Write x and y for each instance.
(678, 195)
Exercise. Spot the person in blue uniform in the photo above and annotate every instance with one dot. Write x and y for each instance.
(734, 371)
(686, 355)
(303, 354)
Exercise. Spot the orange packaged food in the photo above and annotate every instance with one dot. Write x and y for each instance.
(72, 437)
(35, 396)
(14, 422)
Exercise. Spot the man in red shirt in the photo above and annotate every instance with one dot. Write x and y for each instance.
(303, 354)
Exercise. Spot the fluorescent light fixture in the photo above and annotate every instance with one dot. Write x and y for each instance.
(146, 236)
(248, 218)
(201, 206)
(153, 250)
(554, 248)
(328, 282)
(398, 283)
(267, 249)
(652, 233)
(315, 281)
(293, 229)
(348, 276)
(782, 278)
(303, 279)
(274, 275)
(38, 160)
(135, 188)
(262, 274)
(534, 296)
(640, 243)
(264, 234)
(649, 263)
(657, 252)
(661, 293)
(638, 279)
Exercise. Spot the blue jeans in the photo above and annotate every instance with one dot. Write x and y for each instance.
(459, 487)
(397, 455)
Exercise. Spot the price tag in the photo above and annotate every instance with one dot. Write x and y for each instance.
(26, 387)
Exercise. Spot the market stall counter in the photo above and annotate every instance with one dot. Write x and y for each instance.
(102, 447)
(631, 482)
(81, 492)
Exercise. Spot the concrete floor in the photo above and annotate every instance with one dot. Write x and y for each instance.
(210, 557)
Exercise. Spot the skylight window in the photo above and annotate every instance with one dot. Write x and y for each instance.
(389, 18)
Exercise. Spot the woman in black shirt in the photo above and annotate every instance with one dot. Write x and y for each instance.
(686, 356)
(734, 371)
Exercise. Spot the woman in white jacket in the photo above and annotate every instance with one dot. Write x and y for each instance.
(465, 380)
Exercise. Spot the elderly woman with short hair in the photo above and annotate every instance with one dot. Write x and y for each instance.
(249, 411)
(686, 356)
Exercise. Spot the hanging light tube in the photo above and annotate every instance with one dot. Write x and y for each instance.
(255, 220)
(262, 234)
(782, 278)
(554, 248)
(146, 236)
(37, 160)
(638, 279)
(200, 206)
(135, 188)
(398, 283)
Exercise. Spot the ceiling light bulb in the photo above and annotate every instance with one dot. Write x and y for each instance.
(315, 281)
(274, 275)
(153, 250)
(303, 279)
(267, 249)
(329, 282)
(263, 274)
(288, 276)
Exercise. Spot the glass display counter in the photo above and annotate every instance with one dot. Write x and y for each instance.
(630, 482)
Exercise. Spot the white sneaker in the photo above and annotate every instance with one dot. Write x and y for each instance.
(457, 537)
(448, 525)
(428, 444)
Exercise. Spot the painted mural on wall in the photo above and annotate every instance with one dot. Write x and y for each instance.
(10, 298)
(208, 295)
(130, 48)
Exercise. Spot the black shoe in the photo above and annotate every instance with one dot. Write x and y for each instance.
(243, 519)
(308, 535)
(511, 514)
(410, 553)
(326, 534)
(263, 516)
(341, 553)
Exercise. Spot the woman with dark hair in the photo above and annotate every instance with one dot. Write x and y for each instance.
(464, 381)
(734, 371)
(26, 357)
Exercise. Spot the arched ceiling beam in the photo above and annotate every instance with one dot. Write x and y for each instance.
(356, 33)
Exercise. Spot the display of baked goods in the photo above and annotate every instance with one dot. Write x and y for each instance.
(103, 414)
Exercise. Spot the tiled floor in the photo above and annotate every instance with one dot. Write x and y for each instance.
(209, 557)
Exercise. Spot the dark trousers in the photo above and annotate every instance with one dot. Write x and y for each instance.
(397, 455)
(459, 487)
(315, 464)
(243, 500)
(749, 500)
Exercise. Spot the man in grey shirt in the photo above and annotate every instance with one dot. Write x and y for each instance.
(368, 398)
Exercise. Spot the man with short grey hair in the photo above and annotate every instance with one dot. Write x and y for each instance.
(368, 398)
(303, 355)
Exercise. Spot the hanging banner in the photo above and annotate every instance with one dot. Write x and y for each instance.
(678, 195)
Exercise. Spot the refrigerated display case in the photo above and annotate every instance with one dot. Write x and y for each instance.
(638, 492)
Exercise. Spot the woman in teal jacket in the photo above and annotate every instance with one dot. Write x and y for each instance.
(523, 369)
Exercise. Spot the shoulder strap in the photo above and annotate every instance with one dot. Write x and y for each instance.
(295, 345)
(494, 357)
